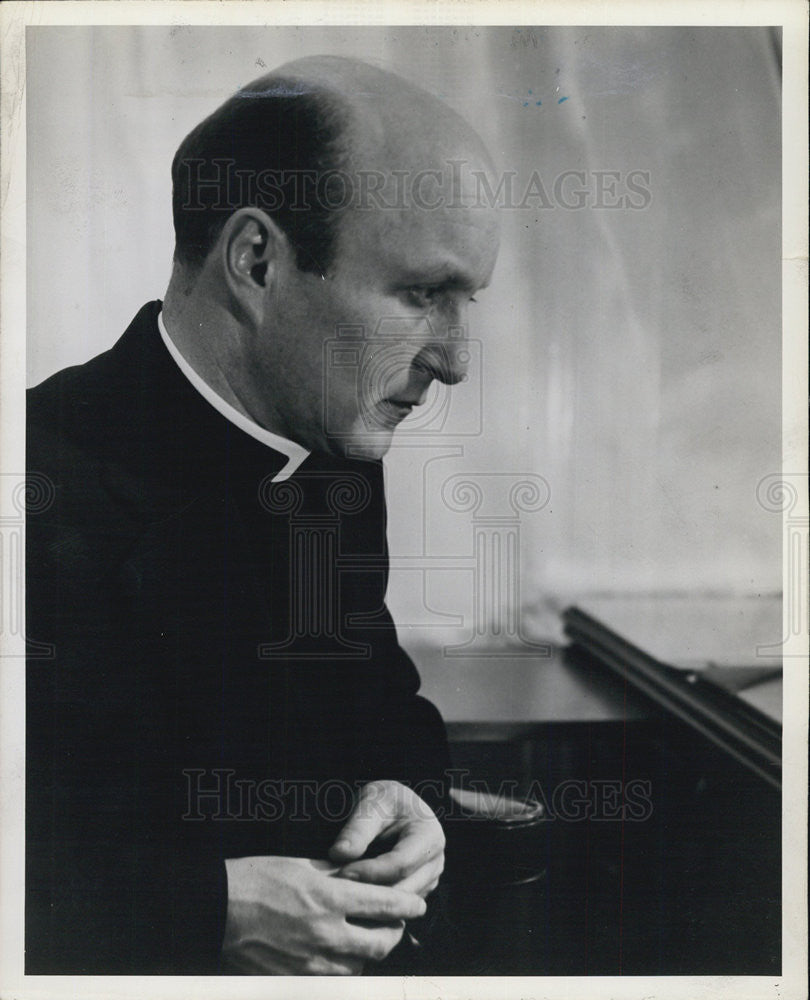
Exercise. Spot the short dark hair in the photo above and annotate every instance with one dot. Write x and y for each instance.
(266, 146)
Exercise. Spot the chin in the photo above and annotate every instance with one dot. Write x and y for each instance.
(364, 444)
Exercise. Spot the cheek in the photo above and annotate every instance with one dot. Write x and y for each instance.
(368, 343)
(304, 331)
(385, 369)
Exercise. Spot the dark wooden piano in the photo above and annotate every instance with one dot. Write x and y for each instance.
(661, 787)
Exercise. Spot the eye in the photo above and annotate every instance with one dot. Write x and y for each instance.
(423, 296)
(427, 296)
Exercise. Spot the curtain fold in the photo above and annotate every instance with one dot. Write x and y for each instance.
(631, 352)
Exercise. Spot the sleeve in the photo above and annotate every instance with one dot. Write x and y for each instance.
(114, 882)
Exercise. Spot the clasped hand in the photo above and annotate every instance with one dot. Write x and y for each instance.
(295, 916)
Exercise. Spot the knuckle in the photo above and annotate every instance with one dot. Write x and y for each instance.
(320, 935)
(379, 949)
(399, 869)
(438, 839)
(377, 789)
(341, 969)
(317, 965)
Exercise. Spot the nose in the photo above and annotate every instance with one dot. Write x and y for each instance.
(447, 356)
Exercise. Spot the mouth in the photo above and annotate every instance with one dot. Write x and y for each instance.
(399, 405)
(405, 401)
(392, 410)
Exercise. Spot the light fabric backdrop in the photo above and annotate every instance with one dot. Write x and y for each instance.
(630, 357)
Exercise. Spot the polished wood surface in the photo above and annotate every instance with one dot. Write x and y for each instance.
(518, 690)
(693, 888)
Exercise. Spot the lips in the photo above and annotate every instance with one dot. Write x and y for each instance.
(390, 411)
(404, 401)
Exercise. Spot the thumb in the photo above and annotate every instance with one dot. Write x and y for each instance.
(368, 820)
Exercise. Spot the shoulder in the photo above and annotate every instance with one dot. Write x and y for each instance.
(87, 405)
(81, 440)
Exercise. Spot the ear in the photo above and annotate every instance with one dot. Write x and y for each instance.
(253, 249)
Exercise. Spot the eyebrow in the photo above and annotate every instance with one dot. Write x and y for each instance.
(442, 276)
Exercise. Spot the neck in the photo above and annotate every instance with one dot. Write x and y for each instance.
(217, 345)
(202, 330)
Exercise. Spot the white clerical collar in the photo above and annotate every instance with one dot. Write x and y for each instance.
(294, 452)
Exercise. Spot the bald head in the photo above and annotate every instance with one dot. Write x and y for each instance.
(329, 196)
(391, 122)
(308, 142)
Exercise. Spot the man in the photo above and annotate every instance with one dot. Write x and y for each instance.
(229, 768)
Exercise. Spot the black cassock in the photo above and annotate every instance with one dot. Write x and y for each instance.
(223, 673)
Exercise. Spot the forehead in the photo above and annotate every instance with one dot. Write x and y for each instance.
(416, 168)
(420, 244)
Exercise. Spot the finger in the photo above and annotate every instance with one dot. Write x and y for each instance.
(413, 850)
(423, 881)
(376, 902)
(373, 813)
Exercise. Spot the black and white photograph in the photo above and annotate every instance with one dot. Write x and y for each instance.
(404, 502)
